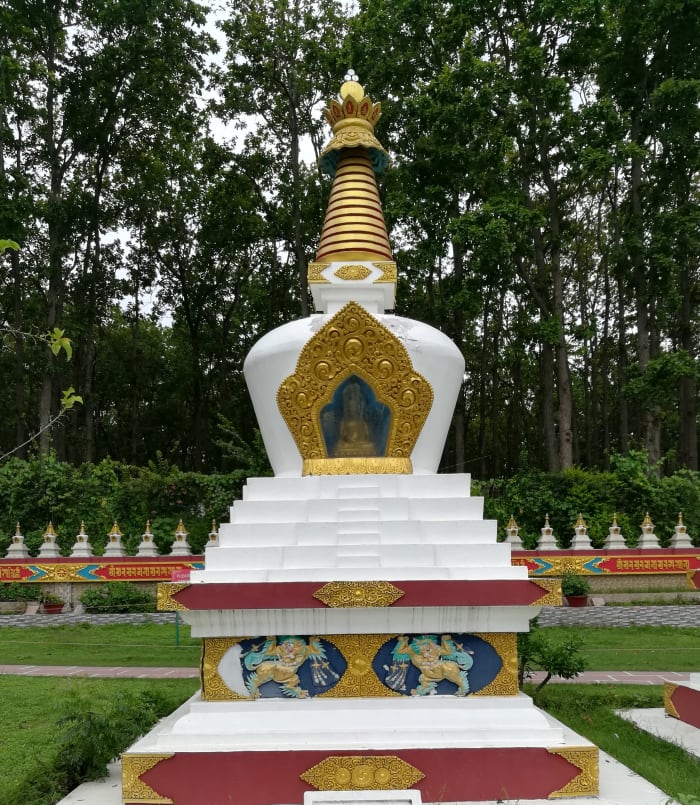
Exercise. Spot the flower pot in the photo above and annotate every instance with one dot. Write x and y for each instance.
(52, 609)
(576, 600)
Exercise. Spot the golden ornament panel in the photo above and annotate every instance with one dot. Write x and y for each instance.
(552, 593)
(388, 270)
(361, 773)
(353, 272)
(354, 345)
(133, 788)
(359, 594)
(669, 706)
(585, 784)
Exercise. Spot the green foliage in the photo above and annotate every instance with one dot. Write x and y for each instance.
(118, 596)
(48, 750)
(13, 591)
(628, 491)
(91, 735)
(42, 489)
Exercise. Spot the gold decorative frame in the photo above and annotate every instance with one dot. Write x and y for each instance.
(164, 596)
(361, 773)
(214, 689)
(585, 784)
(552, 596)
(358, 594)
(359, 679)
(505, 683)
(669, 706)
(354, 343)
(133, 787)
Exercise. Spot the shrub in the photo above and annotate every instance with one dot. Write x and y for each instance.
(18, 592)
(118, 596)
(537, 650)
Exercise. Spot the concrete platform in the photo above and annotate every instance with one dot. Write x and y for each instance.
(657, 722)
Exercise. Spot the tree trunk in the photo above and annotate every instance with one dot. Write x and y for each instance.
(548, 426)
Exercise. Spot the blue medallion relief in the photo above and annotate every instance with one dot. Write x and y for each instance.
(354, 423)
(292, 666)
(423, 665)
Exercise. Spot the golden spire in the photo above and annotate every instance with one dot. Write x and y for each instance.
(354, 227)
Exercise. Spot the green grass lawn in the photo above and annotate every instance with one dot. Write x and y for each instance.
(589, 710)
(633, 648)
(636, 648)
(146, 644)
(31, 712)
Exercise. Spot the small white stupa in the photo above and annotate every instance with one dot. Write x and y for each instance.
(81, 546)
(614, 541)
(147, 546)
(681, 537)
(18, 548)
(647, 538)
(49, 546)
(581, 540)
(114, 546)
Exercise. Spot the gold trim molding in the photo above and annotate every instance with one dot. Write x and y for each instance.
(133, 787)
(361, 773)
(357, 466)
(552, 596)
(165, 592)
(358, 594)
(354, 343)
(388, 269)
(669, 706)
(585, 784)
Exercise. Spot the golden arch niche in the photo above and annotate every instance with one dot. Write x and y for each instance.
(354, 403)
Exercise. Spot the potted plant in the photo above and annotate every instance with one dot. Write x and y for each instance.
(575, 589)
(51, 604)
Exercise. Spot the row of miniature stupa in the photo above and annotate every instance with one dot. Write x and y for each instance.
(181, 547)
(114, 547)
(614, 541)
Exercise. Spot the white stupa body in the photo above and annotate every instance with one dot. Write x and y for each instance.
(359, 616)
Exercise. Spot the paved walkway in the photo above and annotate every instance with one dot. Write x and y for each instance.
(116, 672)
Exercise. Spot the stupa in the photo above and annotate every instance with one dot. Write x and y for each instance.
(358, 616)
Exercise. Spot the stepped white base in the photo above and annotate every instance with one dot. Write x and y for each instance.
(263, 752)
(357, 528)
(340, 725)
